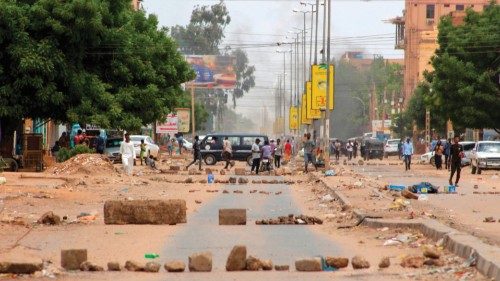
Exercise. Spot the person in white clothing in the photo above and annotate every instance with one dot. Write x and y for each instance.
(128, 154)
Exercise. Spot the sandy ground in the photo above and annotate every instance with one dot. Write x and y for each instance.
(26, 196)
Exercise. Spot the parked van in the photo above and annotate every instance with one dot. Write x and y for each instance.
(211, 146)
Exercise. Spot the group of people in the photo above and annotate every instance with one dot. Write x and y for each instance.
(453, 154)
(271, 152)
(351, 147)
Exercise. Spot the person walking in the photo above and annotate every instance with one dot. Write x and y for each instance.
(127, 151)
(337, 150)
(288, 150)
(64, 140)
(308, 150)
(349, 150)
(355, 149)
(255, 157)
(447, 148)
(196, 153)
(101, 142)
(438, 155)
(227, 152)
(456, 155)
(180, 142)
(278, 152)
(266, 156)
(407, 153)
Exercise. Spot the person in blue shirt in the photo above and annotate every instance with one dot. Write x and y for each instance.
(407, 153)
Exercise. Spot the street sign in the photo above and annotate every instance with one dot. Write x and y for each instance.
(303, 112)
(311, 113)
(170, 126)
(183, 116)
(319, 85)
(294, 118)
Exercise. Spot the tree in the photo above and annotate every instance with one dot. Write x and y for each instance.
(96, 62)
(466, 70)
(200, 112)
(244, 75)
(205, 31)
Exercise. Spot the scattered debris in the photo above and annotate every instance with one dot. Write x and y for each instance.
(412, 262)
(385, 262)
(253, 264)
(134, 266)
(290, 219)
(88, 266)
(197, 201)
(236, 261)
(175, 266)
(431, 253)
(337, 262)
(281, 267)
(49, 218)
(200, 262)
(359, 262)
(489, 219)
(114, 266)
(152, 267)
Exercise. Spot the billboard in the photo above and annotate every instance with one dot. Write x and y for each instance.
(214, 72)
(311, 113)
(294, 118)
(303, 111)
(183, 117)
(170, 126)
(377, 126)
(319, 85)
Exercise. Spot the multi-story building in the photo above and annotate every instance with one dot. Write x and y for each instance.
(136, 4)
(416, 33)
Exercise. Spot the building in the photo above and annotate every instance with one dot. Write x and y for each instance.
(363, 61)
(416, 34)
(137, 4)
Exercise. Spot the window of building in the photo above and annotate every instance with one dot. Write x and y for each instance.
(429, 12)
(460, 7)
(446, 5)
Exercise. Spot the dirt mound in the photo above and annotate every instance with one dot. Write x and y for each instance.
(83, 164)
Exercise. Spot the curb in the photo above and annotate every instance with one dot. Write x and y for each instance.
(461, 244)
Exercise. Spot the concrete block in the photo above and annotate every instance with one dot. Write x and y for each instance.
(240, 171)
(232, 216)
(145, 212)
(20, 267)
(72, 259)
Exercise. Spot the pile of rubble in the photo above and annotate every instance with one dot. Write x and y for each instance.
(290, 219)
(83, 164)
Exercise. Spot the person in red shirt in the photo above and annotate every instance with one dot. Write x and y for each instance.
(79, 137)
(288, 150)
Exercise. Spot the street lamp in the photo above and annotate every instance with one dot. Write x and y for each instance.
(284, 52)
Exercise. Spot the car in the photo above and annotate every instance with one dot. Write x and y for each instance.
(485, 156)
(151, 148)
(187, 144)
(211, 146)
(112, 150)
(391, 147)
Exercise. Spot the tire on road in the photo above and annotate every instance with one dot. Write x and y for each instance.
(210, 159)
(249, 160)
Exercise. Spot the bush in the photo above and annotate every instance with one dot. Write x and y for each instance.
(65, 154)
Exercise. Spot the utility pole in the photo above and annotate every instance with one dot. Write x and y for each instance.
(193, 130)
(316, 34)
(324, 32)
(328, 88)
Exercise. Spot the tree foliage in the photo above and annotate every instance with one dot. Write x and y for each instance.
(466, 70)
(96, 62)
(244, 75)
(205, 31)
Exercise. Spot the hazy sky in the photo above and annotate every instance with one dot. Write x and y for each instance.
(267, 21)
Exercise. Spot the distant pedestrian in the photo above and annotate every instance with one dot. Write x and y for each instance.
(127, 151)
(400, 148)
(337, 149)
(79, 137)
(227, 152)
(447, 151)
(170, 146)
(196, 153)
(349, 150)
(55, 149)
(255, 157)
(180, 142)
(150, 161)
(278, 152)
(407, 153)
(355, 149)
(456, 155)
(101, 142)
(308, 151)
(288, 150)
(266, 156)
(438, 155)
(142, 151)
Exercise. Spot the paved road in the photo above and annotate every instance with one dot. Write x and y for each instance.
(281, 243)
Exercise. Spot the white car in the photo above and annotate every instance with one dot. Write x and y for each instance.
(151, 147)
(391, 147)
(187, 144)
(485, 156)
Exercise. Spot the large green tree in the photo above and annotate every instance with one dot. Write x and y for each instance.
(95, 62)
(466, 70)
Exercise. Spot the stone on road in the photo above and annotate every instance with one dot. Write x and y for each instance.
(201, 262)
(237, 258)
(145, 212)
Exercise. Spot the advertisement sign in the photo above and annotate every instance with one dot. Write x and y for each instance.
(294, 118)
(303, 112)
(170, 126)
(377, 126)
(216, 72)
(183, 117)
(319, 85)
(311, 113)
